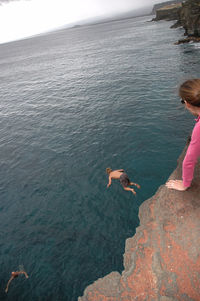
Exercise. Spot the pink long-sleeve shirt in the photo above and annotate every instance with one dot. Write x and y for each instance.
(193, 152)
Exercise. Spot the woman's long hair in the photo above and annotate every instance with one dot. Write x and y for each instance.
(190, 91)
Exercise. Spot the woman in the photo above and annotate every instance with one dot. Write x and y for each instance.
(189, 92)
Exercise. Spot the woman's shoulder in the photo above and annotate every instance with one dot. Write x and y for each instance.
(197, 126)
(196, 131)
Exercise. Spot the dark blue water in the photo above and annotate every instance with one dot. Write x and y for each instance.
(72, 103)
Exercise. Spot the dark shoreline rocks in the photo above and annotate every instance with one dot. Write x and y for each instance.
(190, 17)
(187, 16)
(162, 260)
(188, 40)
(161, 5)
(168, 13)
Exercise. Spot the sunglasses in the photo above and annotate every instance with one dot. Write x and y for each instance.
(184, 101)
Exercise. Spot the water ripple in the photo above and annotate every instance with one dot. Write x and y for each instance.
(73, 103)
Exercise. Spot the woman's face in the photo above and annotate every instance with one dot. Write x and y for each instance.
(194, 110)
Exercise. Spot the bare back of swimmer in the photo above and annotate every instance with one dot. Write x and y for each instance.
(120, 175)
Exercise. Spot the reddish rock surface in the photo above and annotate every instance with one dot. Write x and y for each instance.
(162, 260)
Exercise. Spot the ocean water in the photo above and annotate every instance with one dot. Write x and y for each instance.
(72, 103)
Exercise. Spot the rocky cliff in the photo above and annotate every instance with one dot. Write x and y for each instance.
(169, 12)
(162, 260)
(160, 5)
(189, 17)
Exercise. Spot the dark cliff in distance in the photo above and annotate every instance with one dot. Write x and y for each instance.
(161, 5)
(187, 15)
(169, 12)
(189, 18)
(162, 260)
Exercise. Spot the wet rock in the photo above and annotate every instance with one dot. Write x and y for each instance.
(104, 289)
(188, 40)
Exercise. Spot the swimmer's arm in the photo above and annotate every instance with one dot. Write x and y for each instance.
(109, 181)
(120, 170)
(24, 274)
(9, 281)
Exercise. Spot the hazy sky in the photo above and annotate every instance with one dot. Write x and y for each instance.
(23, 18)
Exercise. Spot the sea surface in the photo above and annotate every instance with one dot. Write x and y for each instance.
(72, 103)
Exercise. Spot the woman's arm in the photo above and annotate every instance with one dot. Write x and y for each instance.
(192, 154)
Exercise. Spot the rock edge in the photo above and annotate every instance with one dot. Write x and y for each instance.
(162, 260)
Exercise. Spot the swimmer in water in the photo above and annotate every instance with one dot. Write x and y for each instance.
(13, 276)
(122, 177)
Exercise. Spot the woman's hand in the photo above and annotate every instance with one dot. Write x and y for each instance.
(176, 184)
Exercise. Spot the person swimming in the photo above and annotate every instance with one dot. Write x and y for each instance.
(13, 276)
(120, 175)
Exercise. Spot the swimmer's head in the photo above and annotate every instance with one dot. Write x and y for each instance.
(108, 170)
(14, 274)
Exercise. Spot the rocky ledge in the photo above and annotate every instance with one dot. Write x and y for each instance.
(189, 18)
(169, 12)
(187, 15)
(188, 40)
(162, 4)
(162, 260)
